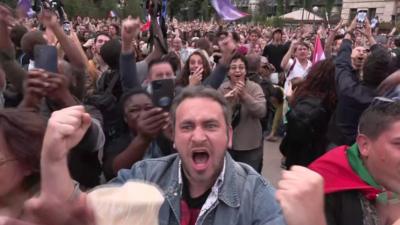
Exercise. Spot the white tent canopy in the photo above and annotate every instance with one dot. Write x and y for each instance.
(298, 15)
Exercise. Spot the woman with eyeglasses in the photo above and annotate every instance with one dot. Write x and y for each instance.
(248, 106)
(21, 135)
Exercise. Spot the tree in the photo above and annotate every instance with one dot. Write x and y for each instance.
(134, 8)
(280, 8)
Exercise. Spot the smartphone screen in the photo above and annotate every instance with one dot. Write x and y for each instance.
(361, 16)
(45, 57)
(163, 93)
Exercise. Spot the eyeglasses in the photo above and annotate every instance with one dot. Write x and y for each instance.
(384, 100)
(241, 68)
(5, 161)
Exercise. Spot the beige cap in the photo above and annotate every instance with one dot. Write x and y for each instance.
(134, 203)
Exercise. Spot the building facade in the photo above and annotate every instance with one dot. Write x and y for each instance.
(386, 10)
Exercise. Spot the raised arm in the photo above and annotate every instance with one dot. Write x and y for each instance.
(218, 75)
(330, 39)
(65, 130)
(75, 57)
(128, 73)
(285, 61)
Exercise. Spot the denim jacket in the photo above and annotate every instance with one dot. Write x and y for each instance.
(244, 198)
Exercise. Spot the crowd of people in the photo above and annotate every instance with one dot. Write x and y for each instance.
(187, 107)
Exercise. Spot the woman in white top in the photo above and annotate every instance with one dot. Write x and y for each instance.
(296, 69)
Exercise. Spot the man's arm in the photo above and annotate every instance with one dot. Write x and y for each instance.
(330, 39)
(129, 77)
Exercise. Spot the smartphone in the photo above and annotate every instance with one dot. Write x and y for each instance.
(163, 93)
(45, 57)
(67, 27)
(361, 16)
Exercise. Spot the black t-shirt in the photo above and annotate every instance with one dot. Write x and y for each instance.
(275, 54)
(193, 203)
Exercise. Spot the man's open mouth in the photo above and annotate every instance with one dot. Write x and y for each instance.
(200, 159)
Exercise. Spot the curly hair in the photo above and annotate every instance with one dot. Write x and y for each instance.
(184, 78)
(320, 82)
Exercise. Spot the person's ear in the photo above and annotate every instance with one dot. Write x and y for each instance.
(364, 145)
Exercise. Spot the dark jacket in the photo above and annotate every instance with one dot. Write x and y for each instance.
(354, 96)
(244, 197)
(344, 208)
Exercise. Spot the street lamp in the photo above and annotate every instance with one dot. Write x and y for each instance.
(315, 10)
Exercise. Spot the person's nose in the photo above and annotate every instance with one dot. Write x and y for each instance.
(199, 135)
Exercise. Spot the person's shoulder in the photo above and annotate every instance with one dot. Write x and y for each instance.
(246, 174)
(149, 169)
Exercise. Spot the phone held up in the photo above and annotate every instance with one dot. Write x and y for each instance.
(361, 17)
(163, 92)
(45, 57)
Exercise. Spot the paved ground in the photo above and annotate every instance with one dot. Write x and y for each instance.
(272, 161)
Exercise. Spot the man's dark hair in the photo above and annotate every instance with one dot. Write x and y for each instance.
(201, 92)
(377, 66)
(99, 34)
(378, 117)
(16, 34)
(159, 61)
(110, 52)
(338, 37)
(30, 39)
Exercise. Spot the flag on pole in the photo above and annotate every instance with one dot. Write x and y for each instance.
(318, 53)
(146, 26)
(227, 11)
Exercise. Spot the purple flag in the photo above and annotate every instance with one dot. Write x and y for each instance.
(24, 4)
(226, 10)
(26, 7)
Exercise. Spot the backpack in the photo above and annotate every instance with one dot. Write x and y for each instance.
(306, 123)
